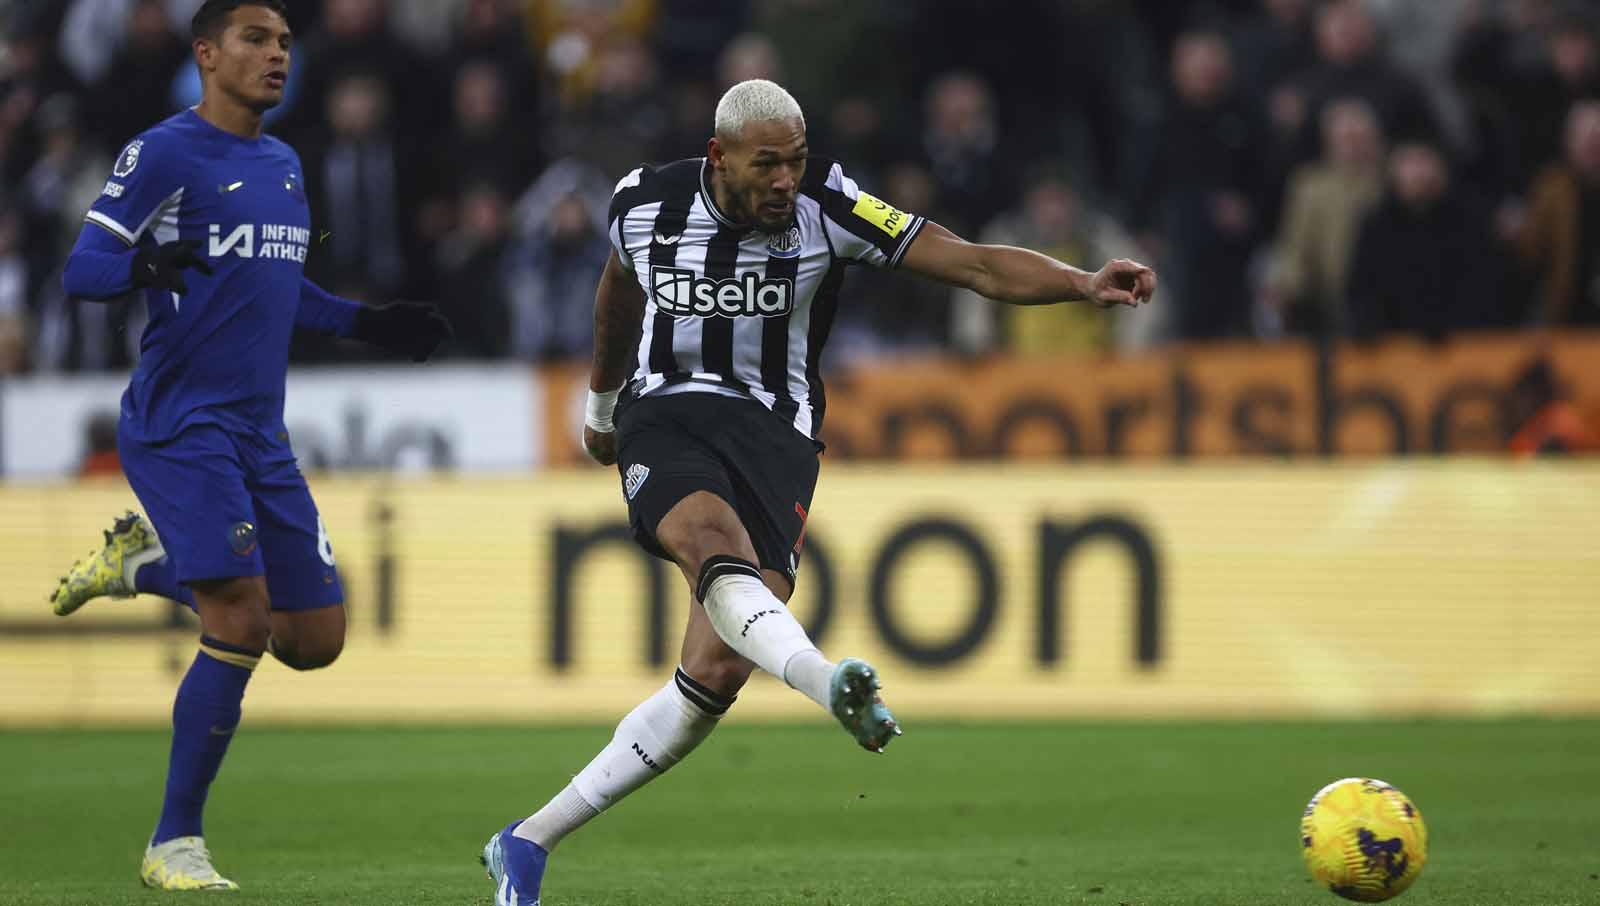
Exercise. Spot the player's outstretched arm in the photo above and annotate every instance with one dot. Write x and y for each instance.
(618, 323)
(413, 328)
(102, 267)
(1023, 277)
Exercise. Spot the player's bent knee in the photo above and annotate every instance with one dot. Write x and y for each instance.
(306, 653)
(235, 611)
(308, 639)
(246, 630)
(712, 540)
(297, 656)
(723, 675)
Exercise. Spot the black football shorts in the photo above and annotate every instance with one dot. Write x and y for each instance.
(671, 446)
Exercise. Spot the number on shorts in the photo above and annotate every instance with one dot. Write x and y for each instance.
(324, 543)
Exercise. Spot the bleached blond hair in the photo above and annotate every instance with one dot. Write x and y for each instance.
(754, 101)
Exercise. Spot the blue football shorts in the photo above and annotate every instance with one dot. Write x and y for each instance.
(229, 504)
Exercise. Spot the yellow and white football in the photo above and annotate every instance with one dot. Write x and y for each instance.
(1363, 839)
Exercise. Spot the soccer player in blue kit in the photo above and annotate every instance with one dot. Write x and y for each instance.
(206, 218)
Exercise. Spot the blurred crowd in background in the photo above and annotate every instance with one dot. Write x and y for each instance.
(1340, 169)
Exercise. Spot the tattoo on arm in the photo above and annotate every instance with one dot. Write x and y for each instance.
(618, 325)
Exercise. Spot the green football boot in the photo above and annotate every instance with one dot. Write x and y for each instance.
(855, 702)
(109, 571)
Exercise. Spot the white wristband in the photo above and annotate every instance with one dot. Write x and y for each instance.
(598, 410)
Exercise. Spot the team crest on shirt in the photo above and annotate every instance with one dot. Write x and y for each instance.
(128, 159)
(785, 244)
(634, 480)
(242, 538)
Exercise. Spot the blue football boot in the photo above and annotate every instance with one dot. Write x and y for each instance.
(516, 866)
(856, 704)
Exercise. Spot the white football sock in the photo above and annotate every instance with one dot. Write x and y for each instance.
(653, 737)
(812, 674)
(562, 815)
(751, 619)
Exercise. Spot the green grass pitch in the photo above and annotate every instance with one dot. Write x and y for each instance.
(1011, 815)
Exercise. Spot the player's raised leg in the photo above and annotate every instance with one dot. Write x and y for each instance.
(656, 735)
(131, 561)
(710, 545)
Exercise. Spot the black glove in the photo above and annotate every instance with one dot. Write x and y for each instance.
(414, 328)
(162, 266)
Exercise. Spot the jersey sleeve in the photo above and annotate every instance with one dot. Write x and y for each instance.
(143, 193)
(623, 198)
(323, 312)
(863, 227)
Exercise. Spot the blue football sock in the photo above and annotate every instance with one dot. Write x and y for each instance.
(161, 578)
(204, 717)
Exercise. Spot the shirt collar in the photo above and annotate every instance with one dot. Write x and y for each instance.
(711, 200)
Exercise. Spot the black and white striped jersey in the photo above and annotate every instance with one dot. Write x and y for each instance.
(738, 311)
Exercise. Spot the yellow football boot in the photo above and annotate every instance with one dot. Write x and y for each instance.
(109, 571)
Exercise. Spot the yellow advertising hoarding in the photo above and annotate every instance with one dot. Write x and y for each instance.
(980, 591)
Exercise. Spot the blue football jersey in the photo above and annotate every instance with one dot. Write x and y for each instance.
(218, 354)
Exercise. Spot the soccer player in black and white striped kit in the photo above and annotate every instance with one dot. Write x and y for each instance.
(710, 319)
